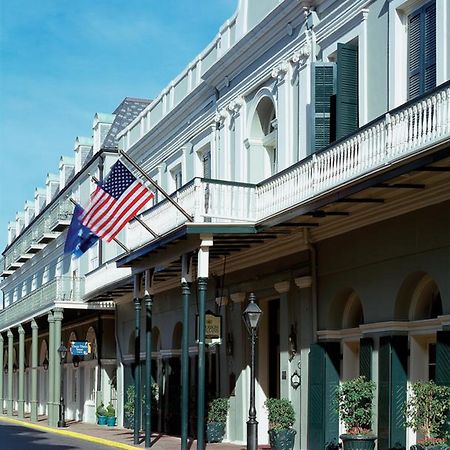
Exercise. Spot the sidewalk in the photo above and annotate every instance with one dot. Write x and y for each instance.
(113, 436)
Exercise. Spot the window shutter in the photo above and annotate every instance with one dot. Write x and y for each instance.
(443, 360)
(323, 419)
(414, 54)
(347, 90)
(323, 87)
(365, 357)
(430, 47)
(383, 393)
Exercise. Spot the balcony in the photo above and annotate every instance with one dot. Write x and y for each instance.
(60, 289)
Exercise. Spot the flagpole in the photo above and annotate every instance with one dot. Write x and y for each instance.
(156, 186)
(115, 239)
(153, 233)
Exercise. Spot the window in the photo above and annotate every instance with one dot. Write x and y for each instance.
(422, 50)
(206, 162)
(177, 177)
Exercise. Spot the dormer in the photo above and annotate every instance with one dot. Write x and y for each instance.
(39, 200)
(52, 187)
(11, 231)
(20, 222)
(28, 212)
(82, 147)
(101, 125)
(66, 170)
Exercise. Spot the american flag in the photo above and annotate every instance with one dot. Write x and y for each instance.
(115, 201)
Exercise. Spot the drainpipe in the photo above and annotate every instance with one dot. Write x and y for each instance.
(101, 165)
(314, 288)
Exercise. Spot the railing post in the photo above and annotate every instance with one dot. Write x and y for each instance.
(199, 200)
(388, 135)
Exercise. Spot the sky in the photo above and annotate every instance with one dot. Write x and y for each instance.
(61, 61)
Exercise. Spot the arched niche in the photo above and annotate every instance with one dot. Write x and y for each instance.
(177, 336)
(261, 143)
(43, 352)
(91, 337)
(418, 298)
(72, 337)
(346, 311)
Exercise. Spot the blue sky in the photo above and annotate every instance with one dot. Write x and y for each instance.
(62, 61)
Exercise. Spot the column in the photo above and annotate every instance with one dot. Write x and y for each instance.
(34, 368)
(2, 373)
(51, 369)
(148, 301)
(137, 357)
(58, 316)
(186, 279)
(9, 401)
(21, 398)
(202, 286)
(305, 339)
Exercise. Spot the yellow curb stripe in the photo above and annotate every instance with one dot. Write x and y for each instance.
(73, 434)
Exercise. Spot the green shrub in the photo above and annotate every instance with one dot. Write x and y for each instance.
(110, 410)
(218, 410)
(281, 413)
(354, 400)
(101, 411)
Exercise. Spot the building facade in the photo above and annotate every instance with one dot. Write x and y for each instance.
(309, 146)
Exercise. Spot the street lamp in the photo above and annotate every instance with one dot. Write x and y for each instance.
(45, 363)
(251, 317)
(62, 350)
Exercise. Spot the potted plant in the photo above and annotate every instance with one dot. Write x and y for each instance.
(426, 412)
(354, 399)
(110, 415)
(217, 416)
(281, 419)
(101, 414)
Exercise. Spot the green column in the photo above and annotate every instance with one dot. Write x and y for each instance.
(202, 284)
(137, 370)
(9, 401)
(148, 299)
(2, 365)
(58, 315)
(21, 398)
(51, 369)
(185, 296)
(34, 366)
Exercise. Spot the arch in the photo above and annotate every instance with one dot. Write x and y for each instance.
(43, 353)
(72, 337)
(156, 339)
(418, 298)
(91, 337)
(177, 335)
(262, 140)
(345, 311)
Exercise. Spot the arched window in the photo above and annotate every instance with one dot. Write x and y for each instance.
(92, 340)
(346, 311)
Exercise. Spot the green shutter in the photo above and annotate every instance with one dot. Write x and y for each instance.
(346, 90)
(392, 379)
(443, 361)
(430, 46)
(323, 87)
(365, 357)
(323, 420)
(414, 54)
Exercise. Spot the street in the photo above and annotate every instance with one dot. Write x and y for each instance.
(15, 437)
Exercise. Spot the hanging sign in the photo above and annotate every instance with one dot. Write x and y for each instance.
(80, 348)
(213, 328)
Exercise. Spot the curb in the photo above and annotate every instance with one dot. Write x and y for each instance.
(72, 434)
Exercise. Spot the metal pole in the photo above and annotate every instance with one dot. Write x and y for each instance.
(62, 406)
(202, 286)
(137, 361)
(252, 424)
(148, 298)
(185, 295)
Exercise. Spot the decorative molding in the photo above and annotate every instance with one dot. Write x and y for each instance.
(238, 297)
(302, 54)
(280, 71)
(235, 105)
(220, 116)
(282, 287)
(221, 301)
(304, 282)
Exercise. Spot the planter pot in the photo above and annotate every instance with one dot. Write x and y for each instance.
(358, 441)
(282, 439)
(111, 421)
(101, 420)
(215, 431)
(430, 447)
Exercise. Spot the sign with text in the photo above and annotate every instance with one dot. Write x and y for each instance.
(80, 348)
(213, 328)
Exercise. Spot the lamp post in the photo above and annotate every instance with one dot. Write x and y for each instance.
(62, 351)
(251, 317)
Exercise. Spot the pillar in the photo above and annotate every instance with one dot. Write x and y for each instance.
(21, 397)
(186, 279)
(9, 401)
(202, 286)
(137, 358)
(2, 373)
(148, 300)
(58, 316)
(51, 369)
(34, 367)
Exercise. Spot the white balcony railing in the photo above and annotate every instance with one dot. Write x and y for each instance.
(60, 289)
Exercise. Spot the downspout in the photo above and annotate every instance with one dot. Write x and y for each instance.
(101, 164)
(314, 285)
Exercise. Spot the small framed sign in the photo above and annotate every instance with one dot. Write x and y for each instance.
(80, 348)
(213, 328)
